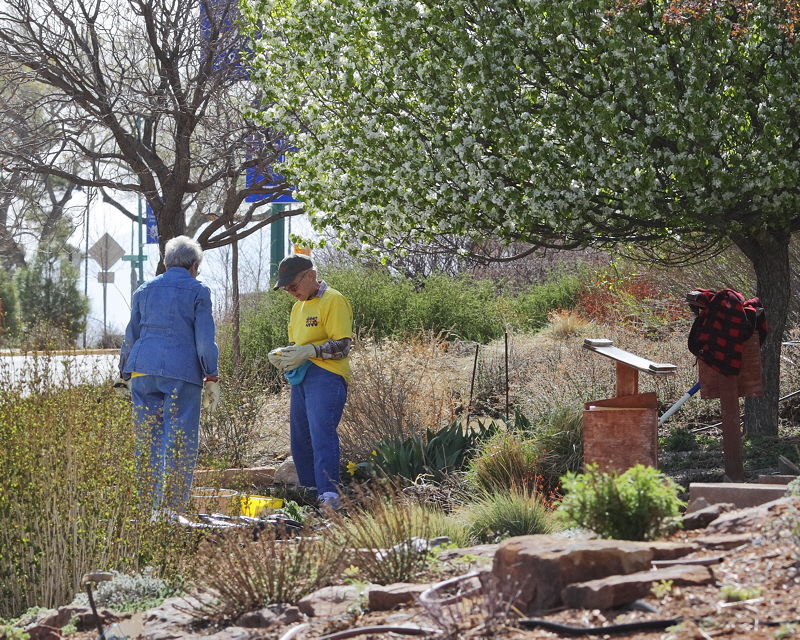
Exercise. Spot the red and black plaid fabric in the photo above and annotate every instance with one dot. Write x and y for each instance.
(724, 321)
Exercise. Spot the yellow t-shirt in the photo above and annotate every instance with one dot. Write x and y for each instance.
(320, 319)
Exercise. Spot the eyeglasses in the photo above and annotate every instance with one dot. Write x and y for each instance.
(291, 288)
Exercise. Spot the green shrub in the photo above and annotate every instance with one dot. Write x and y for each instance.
(532, 457)
(504, 461)
(379, 299)
(505, 514)
(67, 490)
(264, 319)
(634, 505)
(529, 310)
(463, 306)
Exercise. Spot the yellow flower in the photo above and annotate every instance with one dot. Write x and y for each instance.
(351, 468)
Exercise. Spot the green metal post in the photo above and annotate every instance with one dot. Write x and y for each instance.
(276, 245)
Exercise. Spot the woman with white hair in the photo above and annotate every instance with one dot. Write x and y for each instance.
(169, 355)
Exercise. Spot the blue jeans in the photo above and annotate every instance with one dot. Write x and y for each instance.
(316, 408)
(166, 416)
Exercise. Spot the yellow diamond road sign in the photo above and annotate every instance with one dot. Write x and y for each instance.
(106, 251)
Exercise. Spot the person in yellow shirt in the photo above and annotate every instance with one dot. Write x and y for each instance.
(317, 365)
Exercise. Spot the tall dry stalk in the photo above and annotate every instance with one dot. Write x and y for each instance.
(398, 389)
(239, 574)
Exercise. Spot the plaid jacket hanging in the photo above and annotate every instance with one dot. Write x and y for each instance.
(724, 321)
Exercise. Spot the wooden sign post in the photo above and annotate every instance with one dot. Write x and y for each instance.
(622, 431)
(729, 389)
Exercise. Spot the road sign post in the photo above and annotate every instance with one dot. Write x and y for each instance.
(106, 252)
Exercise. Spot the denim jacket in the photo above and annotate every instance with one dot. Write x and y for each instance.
(171, 330)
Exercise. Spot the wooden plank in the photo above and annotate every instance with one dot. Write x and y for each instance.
(731, 430)
(639, 401)
(627, 380)
(602, 347)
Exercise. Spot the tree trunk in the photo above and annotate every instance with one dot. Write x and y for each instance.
(769, 255)
(171, 223)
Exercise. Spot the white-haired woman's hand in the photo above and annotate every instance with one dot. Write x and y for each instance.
(210, 394)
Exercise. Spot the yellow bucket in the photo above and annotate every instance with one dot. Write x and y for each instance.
(254, 506)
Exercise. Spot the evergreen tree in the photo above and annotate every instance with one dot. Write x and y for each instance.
(53, 311)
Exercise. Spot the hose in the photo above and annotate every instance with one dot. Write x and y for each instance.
(388, 628)
(565, 629)
(426, 597)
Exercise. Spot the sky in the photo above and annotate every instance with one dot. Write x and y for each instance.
(111, 308)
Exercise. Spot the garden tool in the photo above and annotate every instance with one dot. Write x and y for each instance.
(678, 404)
(88, 580)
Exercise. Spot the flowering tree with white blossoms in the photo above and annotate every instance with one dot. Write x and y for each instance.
(669, 126)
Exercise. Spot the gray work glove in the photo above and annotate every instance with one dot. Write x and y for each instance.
(210, 395)
(292, 357)
(122, 388)
(274, 358)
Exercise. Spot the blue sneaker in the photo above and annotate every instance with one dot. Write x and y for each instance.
(331, 500)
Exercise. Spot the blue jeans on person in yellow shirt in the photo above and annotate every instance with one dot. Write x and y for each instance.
(316, 407)
(166, 416)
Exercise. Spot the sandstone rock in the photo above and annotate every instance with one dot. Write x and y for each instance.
(541, 566)
(329, 601)
(696, 504)
(56, 618)
(286, 473)
(384, 598)
(701, 518)
(84, 618)
(752, 519)
(169, 620)
(663, 550)
(481, 551)
(256, 619)
(274, 614)
(234, 633)
(724, 541)
(615, 591)
(43, 632)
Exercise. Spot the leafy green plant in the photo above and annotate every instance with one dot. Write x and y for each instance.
(678, 439)
(786, 630)
(530, 309)
(634, 505)
(10, 632)
(438, 454)
(502, 514)
(662, 588)
(731, 593)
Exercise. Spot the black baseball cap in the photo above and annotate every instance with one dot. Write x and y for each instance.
(290, 267)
